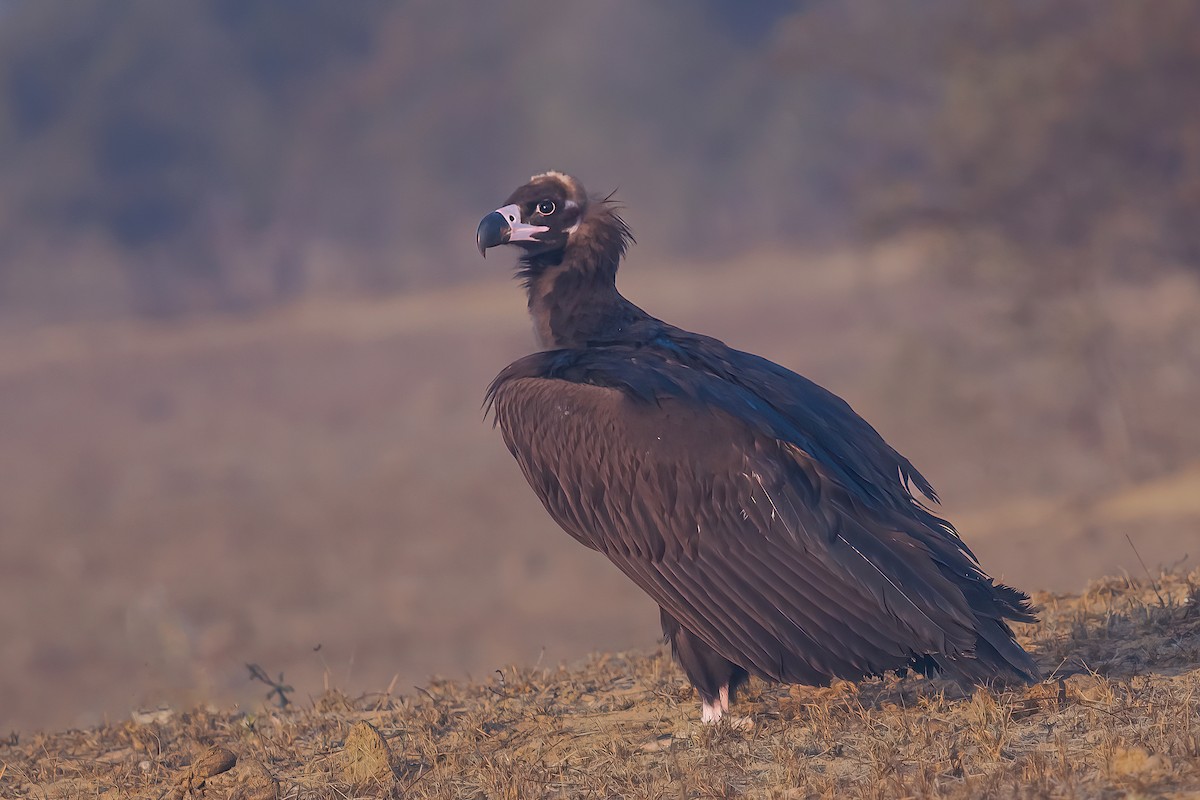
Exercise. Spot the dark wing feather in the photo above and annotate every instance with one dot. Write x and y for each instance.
(824, 425)
(695, 489)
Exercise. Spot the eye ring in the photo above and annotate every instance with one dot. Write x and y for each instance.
(545, 207)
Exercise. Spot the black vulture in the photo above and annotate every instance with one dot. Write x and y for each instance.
(777, 531)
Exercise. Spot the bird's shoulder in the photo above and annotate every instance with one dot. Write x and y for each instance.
(640, 392)
(672, 369)
(701, 375)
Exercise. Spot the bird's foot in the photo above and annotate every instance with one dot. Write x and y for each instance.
(711, 714)
(718, 710)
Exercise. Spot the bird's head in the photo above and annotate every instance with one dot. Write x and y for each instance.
(539, 217)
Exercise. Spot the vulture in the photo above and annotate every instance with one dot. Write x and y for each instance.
(778, 532)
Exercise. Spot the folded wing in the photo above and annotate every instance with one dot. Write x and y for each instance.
(694, 489)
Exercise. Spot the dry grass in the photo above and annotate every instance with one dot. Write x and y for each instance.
(1119, 716)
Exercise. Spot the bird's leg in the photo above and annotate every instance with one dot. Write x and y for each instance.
(717, 712)
(711, 712)
(715, 677)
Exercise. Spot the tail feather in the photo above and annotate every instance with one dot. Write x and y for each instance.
(997, 657)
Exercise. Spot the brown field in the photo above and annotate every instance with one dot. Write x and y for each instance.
(179, 499)
(1118, 716)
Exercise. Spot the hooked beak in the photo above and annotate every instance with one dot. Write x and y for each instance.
(504, 226)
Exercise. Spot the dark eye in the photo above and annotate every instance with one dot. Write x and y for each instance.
(546, 208)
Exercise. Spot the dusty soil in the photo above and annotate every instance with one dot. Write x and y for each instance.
(1117, 716)
(315, 489)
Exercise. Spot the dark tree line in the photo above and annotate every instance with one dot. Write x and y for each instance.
(160, 157)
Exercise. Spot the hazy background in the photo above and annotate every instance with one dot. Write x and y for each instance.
(244, 332)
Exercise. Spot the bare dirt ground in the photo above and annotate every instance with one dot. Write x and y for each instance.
(1117, 716)
(315, 490)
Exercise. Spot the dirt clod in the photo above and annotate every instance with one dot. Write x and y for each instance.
(366, 758)
(192, 780)
(253, 781)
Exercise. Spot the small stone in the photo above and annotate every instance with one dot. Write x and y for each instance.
(741, 723)
(661, 743)
(254, 782)
(1088, 688)
(214, 761)
(366, 758)
(160, 715)
(1137, 761)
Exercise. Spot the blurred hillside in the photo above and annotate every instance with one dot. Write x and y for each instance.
(159, 158)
